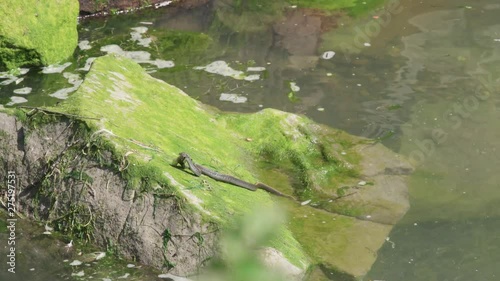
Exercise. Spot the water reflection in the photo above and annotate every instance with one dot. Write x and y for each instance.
(452, 230)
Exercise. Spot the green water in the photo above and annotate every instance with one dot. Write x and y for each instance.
(429, 86)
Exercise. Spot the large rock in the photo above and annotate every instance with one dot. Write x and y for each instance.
(37, 32)
(114, 160)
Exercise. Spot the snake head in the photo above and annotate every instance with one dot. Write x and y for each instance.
(180, 160)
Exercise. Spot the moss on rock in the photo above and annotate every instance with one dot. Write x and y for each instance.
(150, 122)
(37, 32)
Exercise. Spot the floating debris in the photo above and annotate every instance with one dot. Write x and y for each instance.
(321, 109)
(162, 63)
(133, 55)
(146, 22)
(329, 74)
(362, 183)
(78, 274)
(305, 202)
(16, 100)
(388, 239)
(252, 77)
(234, 98)
(222, 68)
(130, 265)
(137, 36)
(72, 79)
(23, 91)
(328, 55)
(294, 87)
(367, 44)
(256, 68)
(84, 45)
(55, 68)
(139, 30)
(126, 275)
(9, 80)
(76, 263)
(137, 56)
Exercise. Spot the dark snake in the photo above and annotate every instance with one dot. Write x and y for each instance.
(199, 170)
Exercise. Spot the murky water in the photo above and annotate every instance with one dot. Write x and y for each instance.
(426, 80)
(41, 255)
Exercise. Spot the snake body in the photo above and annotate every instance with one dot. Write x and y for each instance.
(199, 170)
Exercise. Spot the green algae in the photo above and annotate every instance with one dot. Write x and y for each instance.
(248, 16)
(34, 32)
(184, 47)
(12, 56)
(320, 159)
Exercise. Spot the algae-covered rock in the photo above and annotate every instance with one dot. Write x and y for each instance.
(37, 32)
(149, 122)
(352, 189)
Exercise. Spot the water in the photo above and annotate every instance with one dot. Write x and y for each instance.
(428, 85)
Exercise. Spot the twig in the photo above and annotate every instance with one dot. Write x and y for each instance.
(56, 112)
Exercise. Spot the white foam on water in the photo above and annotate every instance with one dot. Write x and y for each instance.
(55, 68)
